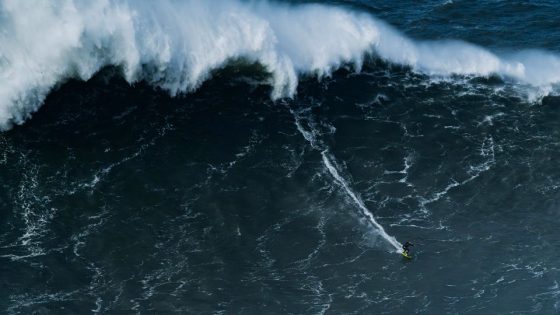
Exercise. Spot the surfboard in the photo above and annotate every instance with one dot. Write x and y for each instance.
(407, 256)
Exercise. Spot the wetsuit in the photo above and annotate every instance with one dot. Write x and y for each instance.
(406, 247)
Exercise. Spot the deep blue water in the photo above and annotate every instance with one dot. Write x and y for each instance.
(120, 197)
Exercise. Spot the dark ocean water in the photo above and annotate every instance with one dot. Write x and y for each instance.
(119, 197)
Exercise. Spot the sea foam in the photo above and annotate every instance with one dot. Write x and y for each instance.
(175, 45)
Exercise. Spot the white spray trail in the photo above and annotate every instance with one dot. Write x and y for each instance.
(311, 137)
(342, 182)
(175, 45)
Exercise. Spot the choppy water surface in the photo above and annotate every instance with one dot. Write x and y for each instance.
(284, 180)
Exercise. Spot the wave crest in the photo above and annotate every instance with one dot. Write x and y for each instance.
(176, 46)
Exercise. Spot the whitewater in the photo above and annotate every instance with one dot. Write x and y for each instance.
(176, 45)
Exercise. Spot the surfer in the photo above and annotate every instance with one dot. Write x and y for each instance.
(406, 247)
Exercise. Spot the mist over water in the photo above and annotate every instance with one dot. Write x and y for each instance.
(270, 157)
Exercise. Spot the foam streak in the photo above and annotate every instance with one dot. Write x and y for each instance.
(342, 182)
(316, 144)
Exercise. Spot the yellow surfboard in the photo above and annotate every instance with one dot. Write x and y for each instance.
(405, 255)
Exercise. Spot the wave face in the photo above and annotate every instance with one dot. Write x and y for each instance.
(176, 46)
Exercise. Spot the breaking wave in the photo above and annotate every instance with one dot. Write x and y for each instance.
(176, 45)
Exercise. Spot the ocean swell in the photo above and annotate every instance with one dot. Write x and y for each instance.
(175, 45)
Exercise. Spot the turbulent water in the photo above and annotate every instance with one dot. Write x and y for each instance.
(254, 157)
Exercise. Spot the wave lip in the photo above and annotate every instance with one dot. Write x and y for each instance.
(176, 46)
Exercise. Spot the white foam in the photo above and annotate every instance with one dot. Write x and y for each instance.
(176, 45)
(312, 138)
(358, 201)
